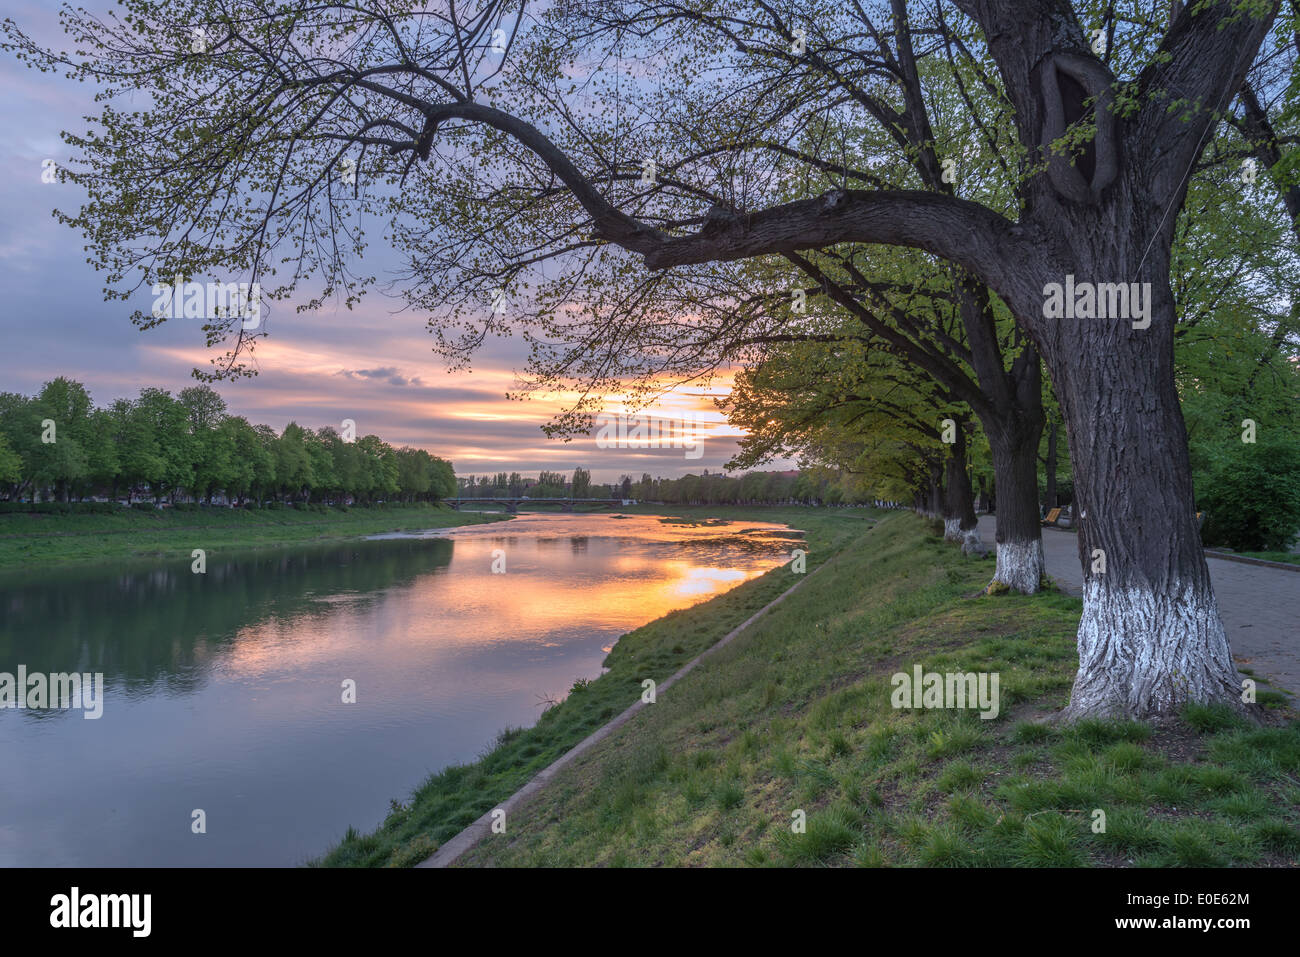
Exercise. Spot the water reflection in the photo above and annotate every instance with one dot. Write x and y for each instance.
(223, 691)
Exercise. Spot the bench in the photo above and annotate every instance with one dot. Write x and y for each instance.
(1052, 517)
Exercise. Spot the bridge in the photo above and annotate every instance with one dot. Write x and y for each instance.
(512, 503)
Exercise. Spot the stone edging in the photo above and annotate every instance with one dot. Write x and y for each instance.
(1211, 553)
(1245, 560)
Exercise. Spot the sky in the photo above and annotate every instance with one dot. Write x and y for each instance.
(374, 364)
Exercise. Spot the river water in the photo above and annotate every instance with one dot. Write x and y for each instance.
(224, 692)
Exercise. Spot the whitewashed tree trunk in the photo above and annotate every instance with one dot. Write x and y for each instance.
(1144, 652)
(1020, 566)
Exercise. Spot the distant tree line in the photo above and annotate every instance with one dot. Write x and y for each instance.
(545, 485)
(815, 486)
(57, 446)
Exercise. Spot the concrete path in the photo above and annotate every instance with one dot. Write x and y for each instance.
(1260, 606)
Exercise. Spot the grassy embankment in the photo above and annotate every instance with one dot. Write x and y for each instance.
(36, 541)
(796, 715)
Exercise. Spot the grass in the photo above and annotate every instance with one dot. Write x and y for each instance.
(36, 541)
(458, 795)
(1290, 558)
(784, 750)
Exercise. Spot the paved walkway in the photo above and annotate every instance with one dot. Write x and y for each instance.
(1260, 606)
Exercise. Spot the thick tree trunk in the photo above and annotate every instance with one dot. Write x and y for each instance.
(1019, 536)
(960, 524)
(1050, 501)
(1012, 418)
(951, 514)
(934, 500)
(1150, 638)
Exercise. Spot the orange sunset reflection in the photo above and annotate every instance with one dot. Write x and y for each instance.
(566, 574)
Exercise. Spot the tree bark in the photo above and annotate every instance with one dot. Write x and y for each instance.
(1150, 639)
(934, 501)
(1050, 501)
(1019, 535)
(960, 524)
(1012, 409)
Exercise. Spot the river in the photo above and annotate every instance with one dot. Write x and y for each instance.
(224, 691)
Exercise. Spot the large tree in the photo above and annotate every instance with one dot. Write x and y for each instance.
(264, 127)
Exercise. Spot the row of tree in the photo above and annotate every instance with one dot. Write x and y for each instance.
(546, 485)
(810, 486)
(57, 445)
(814, 485)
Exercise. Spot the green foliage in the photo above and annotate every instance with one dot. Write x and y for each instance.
(187, 446)
(11, 464)
(809, 486)
(58, 508)
(1252, 500)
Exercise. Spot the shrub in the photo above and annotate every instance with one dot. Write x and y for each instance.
(1252, 500)
(35, 508)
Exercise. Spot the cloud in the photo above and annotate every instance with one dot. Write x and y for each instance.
(389, 374)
